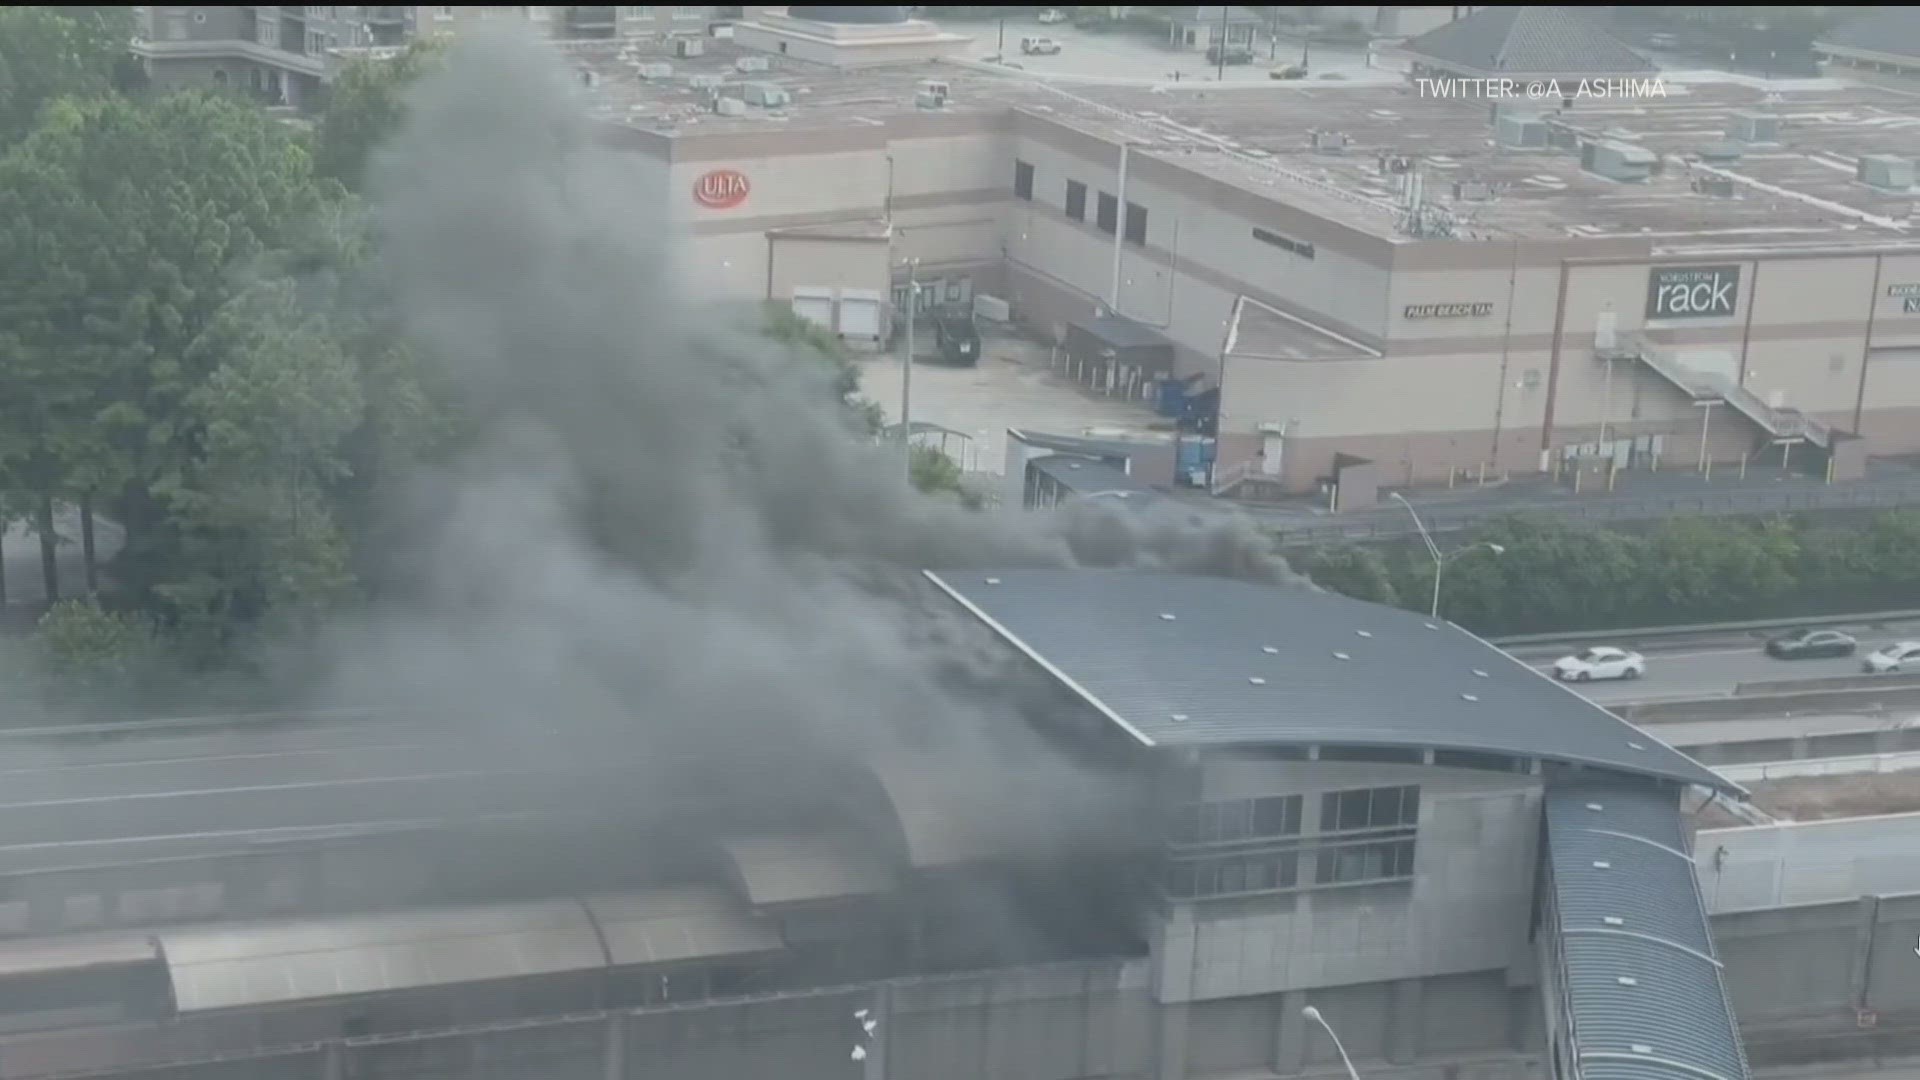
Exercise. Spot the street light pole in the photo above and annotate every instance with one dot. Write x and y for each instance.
(1119, 231)
(1222, 74)
(906, 367)
(1440, 559)
(1313, 1014)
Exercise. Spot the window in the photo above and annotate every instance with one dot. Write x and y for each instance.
(1076, 200)
(270, 32)
(1233, 875)
(1136, 224)
(1237, 820)
(689, 12)
(1297, 247)
(199, 16)
(1376, 808)
(1108, 216)
(1382, 861)
(636, 13)
(443, 13)
(1023, 181)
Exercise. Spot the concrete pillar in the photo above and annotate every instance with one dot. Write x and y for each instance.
(1170, 1045)
(1800, 748)
(1290, 1035)
(333, 1061)
(1403, 1021)
(614, 1059)
(1861, 968)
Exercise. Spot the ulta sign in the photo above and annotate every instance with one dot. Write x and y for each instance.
(721, 189)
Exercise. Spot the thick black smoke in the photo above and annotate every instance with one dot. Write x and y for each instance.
(664, 547)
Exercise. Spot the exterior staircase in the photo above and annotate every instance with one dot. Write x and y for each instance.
(1780, 425)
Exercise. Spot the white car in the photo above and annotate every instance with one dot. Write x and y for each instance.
(1039, 46)
(1602, 662)
(1892, 658)
(1051, 16)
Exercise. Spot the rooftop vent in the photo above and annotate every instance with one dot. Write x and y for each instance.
(689, 47)
(1613, 920)
(1885, 172)
(1395, 164)
(658, 69)
(1330, 141)
(1722, 153)
(1718, 187)
(1562, 136)
(705, 81)
(1627, 980)
(751, 64)
(1616, 160)
(1270, 650)
(766, 95)
(1520, 131)
(1754, 127)
(590, 79)
(729, 106)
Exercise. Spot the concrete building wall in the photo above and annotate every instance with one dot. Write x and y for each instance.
(829, 264)
(1466, 909)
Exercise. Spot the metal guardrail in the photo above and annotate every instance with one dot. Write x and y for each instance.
(1856, 495)
(1644, 633)
(1862, 699)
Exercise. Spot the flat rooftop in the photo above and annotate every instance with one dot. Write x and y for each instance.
(1798, 192)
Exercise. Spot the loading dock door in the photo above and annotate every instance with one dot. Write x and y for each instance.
(814, 305)
(860, 314)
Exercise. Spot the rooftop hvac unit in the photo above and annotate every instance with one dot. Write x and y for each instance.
(766, 95)
(1395, 164)
(1329, 140)
(1562, 136)
(688, 47)
(1520, 131)
(1718, 187)
(1725, 153)
(658, 69)
(1472, 191)
(706, 80)
(932, 94)
(1606, 331)
(1753, 127)
(729, 106)
(1616, 160)
(590, 79)
(1885, 172)
(751, 63)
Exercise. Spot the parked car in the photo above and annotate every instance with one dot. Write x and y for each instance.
(1052, 16)
(1600, 662)
(958, 338)
(1235, 54)
(1039, 46)
(1290, 71)
(1811, 645)
(1892, 657)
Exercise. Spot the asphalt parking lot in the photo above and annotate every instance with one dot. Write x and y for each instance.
(1137, 54)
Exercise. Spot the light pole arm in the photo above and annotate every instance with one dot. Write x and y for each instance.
(1352, 1073)
(1433, 549)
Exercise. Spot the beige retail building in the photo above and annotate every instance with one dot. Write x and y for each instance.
(1650, 271)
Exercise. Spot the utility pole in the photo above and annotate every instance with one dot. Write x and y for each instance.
(1222, 46)
(1000, 50)
(906, 367)
(1273, 33)
(1119, 231)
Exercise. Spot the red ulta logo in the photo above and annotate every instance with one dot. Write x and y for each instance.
(721, 189)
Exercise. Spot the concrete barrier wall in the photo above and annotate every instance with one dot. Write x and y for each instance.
(1825, 982)
(1878, 696)
(1813, 862)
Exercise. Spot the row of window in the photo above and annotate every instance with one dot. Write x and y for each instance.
(1106, 212)
(1232, 875)
(1237, 819)
(1370, 808)
(1273, 816)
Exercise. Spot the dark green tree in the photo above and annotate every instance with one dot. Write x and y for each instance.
(365, 106)
(51, 52)
(132, 235)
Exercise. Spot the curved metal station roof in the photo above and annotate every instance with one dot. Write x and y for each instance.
(1185, 660)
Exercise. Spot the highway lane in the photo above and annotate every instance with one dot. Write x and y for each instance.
(1867, 632)
(1711, 672)
(65, 802)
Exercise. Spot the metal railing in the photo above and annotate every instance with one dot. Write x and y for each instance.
(1858, 495)
(1857, 618)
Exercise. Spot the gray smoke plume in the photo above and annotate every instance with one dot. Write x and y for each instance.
(663, 547)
